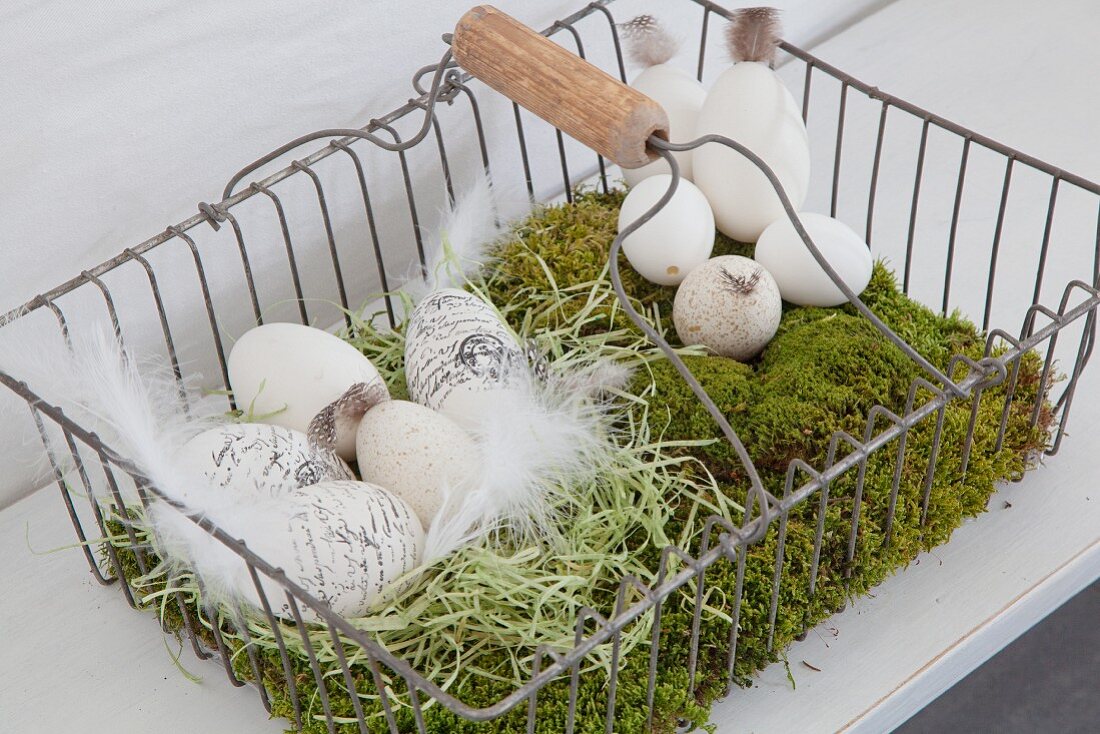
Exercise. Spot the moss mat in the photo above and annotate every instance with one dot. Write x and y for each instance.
(823, 372)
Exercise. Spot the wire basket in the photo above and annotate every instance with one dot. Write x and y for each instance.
(358, 204)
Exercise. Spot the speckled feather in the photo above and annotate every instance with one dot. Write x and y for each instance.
(753, 35)
(648, 42)
(740, 283)
(356, 400)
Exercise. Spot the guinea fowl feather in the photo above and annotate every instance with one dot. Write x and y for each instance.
(754, 34)
(648, 42)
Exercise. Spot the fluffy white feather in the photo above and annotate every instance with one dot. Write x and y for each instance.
(537, 439)
(458, 247)
(136, 408)
(249, 515)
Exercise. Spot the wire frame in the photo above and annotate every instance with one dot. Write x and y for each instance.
(425, 139)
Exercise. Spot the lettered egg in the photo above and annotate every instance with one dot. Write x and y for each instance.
(418, 454)
(456, 348)
(750, 105)
(730, 304)
(678, 239)
(285, 374)
(682, 96)
(800, 278)
(345, 543)
(254, 456)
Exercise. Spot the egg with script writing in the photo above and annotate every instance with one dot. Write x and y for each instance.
(251, 456)
(345, 543)
(456, 348)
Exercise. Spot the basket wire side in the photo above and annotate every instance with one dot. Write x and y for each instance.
(679, 569)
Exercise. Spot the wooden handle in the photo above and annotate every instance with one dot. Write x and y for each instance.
(558, 86)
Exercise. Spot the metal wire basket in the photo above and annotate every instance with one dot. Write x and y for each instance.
(359, 201)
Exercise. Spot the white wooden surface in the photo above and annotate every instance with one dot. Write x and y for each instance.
(70, 650)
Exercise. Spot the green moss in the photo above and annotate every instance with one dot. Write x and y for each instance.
(937, 338)
(824, 371)
(565, 248)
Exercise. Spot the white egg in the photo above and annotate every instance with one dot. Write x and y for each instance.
(254, 456)
(801, 280)
(678, 239)
(750, 105)
(682, 96)
(344, 542)
(418, 454)
(730, 304)
(285, 374)
(456, 348)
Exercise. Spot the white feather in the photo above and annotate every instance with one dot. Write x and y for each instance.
(537, 439)
(460, 245)
(185, 546)
(457, 247)
(136, 408)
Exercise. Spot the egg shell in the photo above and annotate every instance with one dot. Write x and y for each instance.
(750, 105)
(288, 373)
(679, 238)
(730, 304)
(253, 456)
(417, 454)
(682, 96)
(344, 542)
(801, 279)
(456, 347)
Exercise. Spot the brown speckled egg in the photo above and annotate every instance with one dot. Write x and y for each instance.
(730, 304)
(417, 454)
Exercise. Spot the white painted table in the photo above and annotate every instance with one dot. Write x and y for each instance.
(71, 651)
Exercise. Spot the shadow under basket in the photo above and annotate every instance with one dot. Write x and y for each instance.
(311, 237)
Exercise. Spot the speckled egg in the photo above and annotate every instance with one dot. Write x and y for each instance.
(416, 453)
(730, 304)
(256, 456)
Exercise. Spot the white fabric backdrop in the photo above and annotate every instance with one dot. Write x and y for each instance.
(117, 118)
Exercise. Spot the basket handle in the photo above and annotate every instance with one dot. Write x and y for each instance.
(565, 90)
